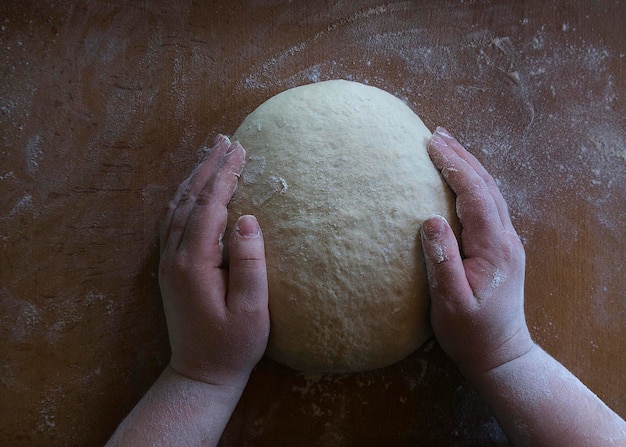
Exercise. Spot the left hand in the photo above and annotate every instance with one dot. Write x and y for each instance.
(217, 317)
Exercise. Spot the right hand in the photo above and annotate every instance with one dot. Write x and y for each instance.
(477, 299)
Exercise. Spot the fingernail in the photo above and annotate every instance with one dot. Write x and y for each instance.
(437, 140)
(221, 139)
(234, 147)
(433, 227)
(248, 226)
(443, 132)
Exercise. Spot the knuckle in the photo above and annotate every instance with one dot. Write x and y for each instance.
(510, 248)
(173, 267)
(204, 199)
(250, 307)
(170, 207)
(186, 197)
(179, 222)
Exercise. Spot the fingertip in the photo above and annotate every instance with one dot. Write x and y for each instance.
(439, 138)
(235, 159)
(442, 138)
(448, 140)
(221, 139)
(435, 141)
(236, 147)
(246, 241)
(240, 147)
(435, 244)
(444, 265)
(443, 132)
(433, 227)
(247, 226)
(247, 267)
(438, 150)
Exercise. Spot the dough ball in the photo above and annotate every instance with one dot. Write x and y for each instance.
(338, 176)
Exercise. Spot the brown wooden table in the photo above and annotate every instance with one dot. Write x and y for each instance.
(104, 107)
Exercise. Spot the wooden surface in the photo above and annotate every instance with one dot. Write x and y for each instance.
(104, 107)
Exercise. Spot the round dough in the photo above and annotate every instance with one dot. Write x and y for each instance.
(338, 176)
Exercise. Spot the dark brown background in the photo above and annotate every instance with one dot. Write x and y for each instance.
(104, 107)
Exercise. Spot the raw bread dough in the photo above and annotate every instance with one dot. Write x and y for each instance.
(338, 176)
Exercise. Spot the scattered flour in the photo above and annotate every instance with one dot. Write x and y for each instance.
(514, 93)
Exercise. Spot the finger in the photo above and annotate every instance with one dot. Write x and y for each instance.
(207, 221)
(166, 224)
(476, 207)
(447, 281)
(183, 202)
(247, 283)
(220, 144)
(501, 205)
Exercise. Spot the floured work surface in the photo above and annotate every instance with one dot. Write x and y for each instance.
(104, 109)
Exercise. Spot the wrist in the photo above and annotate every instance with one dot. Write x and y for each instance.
(178, 410)
(514, 349)
(486, 378)
(226, 387)
(198, 368)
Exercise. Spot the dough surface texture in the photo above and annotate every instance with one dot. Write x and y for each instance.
(338, 176)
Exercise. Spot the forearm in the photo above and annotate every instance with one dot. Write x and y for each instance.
(178, 411)
(538, 402)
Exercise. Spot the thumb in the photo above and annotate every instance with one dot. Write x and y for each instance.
(247, 282)
(447, 281)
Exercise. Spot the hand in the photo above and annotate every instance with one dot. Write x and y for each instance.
(477, 297)
(217, 317)
(477, 314)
